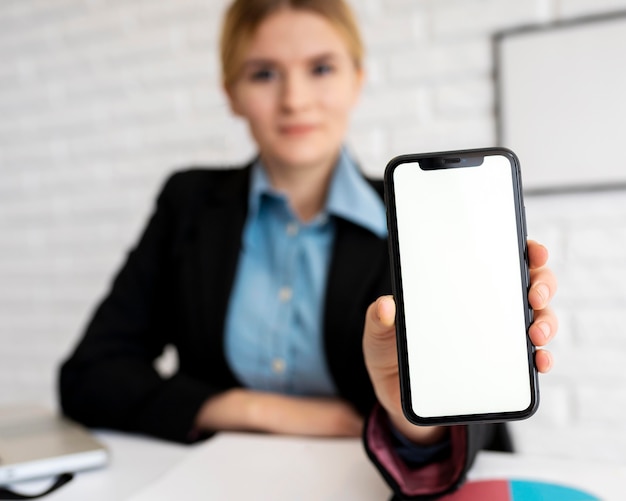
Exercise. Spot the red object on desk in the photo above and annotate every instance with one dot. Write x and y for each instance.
(492, 490)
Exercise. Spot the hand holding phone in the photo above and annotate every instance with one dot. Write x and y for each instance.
(457, 242)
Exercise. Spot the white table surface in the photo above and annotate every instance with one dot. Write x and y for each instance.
(135, 462)
(236, 466)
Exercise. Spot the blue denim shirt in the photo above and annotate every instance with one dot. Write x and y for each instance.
(273, 332)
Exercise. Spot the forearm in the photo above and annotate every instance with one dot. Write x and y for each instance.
(227, 411)
(246, 410)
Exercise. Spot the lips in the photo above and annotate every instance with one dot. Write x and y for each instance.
(296, 129)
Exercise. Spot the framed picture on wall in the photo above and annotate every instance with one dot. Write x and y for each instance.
(561, 102)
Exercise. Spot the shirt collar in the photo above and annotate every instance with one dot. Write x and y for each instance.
(259, 186)
(350, 196)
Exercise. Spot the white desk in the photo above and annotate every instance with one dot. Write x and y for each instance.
(247, 466)
(135, 463)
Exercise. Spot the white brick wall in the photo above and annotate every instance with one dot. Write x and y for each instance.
(583, 398)
(100, 99)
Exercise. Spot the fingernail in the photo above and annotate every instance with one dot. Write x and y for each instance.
(545, 329)
(543, 291)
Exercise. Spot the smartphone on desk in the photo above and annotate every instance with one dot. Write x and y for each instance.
(460, 278)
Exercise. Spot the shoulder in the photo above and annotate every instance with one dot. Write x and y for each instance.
(205, 183)
(203, 179)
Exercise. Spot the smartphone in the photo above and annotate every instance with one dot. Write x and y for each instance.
(460, 278)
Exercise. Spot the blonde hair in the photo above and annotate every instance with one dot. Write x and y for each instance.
(245, 16)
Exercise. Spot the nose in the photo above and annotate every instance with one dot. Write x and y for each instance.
(296, 92)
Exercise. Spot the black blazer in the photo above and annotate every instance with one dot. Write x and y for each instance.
(174, 289)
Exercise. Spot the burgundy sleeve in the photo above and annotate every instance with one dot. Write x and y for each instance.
(423, 482)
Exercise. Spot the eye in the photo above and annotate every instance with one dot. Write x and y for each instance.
(321, 69)
(263, 75)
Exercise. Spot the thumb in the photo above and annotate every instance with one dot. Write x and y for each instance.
(379, 343)
(380, 319)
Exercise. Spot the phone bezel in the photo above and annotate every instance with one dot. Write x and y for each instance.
(396, 281)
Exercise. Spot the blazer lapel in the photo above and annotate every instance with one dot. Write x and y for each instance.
(358, 274)
(220, 229)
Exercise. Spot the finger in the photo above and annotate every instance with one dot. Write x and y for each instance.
(542, 288)
(543, 361)
(537, 254)
(544, 327)
(380, 318)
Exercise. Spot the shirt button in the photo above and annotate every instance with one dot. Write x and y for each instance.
(292, 229)
(278, 365)
(285, 294)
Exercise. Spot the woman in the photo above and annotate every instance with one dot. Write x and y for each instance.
(261, 277)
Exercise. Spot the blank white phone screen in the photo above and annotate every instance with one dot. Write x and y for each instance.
(462, 289)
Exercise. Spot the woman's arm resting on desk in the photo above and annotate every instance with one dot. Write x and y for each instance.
(240, 409)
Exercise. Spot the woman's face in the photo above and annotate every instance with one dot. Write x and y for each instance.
(296, 90)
